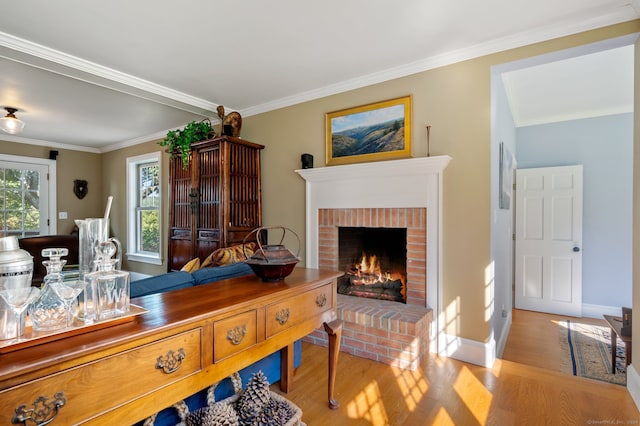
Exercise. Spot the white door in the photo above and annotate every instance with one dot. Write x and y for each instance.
(26, 196)
(549, 240)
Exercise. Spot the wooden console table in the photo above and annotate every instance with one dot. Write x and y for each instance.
(188, 339)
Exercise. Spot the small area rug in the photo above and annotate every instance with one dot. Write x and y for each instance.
(588, 352)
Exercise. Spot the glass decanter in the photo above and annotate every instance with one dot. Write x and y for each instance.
(111, 286)
(48, 311)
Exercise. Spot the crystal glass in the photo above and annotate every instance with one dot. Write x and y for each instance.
(49, 311)
(110, 284)
(67, 291)
(18, 299)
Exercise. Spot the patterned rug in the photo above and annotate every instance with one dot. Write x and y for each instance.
(588, 352)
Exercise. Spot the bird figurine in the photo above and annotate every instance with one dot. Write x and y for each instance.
(231, 124)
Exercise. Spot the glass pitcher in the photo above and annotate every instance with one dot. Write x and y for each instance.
(92, 232)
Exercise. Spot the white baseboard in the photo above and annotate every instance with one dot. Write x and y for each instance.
(633, 384)
(474, 352)
(597, 311)
(502, 340)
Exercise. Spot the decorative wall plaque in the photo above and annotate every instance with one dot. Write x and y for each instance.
(80, 188)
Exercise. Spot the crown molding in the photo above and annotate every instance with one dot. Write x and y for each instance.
(48, 144)
(135, 141)
(573, 117)
(550, 32)
(53, 60)
(30, 53)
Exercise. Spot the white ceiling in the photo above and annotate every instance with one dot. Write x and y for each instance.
(98, 76)
(584, 86)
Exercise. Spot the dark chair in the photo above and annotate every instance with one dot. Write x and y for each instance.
(34, 246)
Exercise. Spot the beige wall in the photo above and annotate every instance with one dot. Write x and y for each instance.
(114, 183)
(455, 100)
(70, 165)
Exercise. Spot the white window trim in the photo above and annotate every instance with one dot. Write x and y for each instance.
(53, 195)
(132, 164)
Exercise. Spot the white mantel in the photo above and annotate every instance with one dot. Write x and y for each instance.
(409, 183)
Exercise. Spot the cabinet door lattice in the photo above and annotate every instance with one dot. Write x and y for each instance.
(216, 201)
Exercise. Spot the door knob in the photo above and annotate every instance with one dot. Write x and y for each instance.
(576, 249)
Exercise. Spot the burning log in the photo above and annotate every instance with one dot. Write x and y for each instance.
(373, 280)
(359, 278)
(366, 279)
(387, 290)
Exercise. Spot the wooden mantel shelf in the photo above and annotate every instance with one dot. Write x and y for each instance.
(410, 166)
(188, 339)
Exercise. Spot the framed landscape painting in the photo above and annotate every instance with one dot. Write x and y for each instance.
(378, 131)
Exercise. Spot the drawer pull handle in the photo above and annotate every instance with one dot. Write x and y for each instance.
(321, 300)
(43, 411)
(236, 335)
(283, 316)
(171, 362)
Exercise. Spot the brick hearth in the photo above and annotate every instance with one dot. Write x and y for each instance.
(390, 332)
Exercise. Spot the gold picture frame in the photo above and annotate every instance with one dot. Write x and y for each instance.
(373, 132)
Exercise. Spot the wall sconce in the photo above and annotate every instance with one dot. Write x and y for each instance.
(10, 123)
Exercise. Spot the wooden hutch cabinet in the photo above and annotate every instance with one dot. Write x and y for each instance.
(216, 201)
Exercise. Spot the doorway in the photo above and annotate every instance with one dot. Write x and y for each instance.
(27, 196)
(548, 253)
(554, 144)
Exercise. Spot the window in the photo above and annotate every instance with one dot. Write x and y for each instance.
(144, 202)
(27, 196)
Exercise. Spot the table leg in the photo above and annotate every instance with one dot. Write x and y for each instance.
(286, 368)
(614, 349)
(334, 332)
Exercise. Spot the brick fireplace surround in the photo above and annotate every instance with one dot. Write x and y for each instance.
(391, 194)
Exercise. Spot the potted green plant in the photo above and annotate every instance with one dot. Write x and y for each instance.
(181, 140)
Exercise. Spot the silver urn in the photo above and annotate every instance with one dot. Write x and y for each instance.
(16, 270)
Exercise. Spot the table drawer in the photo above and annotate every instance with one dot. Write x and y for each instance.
(296, 309)
(234, 334)
(129, 374)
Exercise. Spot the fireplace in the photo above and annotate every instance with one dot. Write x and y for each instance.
(410, 223)
(374, 261)
(402, 196)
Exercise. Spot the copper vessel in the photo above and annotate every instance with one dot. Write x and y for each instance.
(271, 262)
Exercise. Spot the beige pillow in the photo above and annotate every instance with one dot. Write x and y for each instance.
(229, 255)
(192, 265)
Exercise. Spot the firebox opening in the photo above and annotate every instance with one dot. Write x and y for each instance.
(374, 261)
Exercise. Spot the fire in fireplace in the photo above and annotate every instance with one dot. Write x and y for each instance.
(374, 261)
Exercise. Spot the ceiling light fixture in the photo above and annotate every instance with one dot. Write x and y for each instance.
(9, 123)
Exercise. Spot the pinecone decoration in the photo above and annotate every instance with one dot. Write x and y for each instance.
(276, 413)
(253, 399)
(219, 414)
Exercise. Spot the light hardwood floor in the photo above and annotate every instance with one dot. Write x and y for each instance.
(533, 339)
(528, 389)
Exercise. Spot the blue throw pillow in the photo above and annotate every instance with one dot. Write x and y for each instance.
(217, 273)
(161, 283)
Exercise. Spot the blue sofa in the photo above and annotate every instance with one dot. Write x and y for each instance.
(270, 365)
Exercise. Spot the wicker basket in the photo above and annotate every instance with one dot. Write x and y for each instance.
(183, 410)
